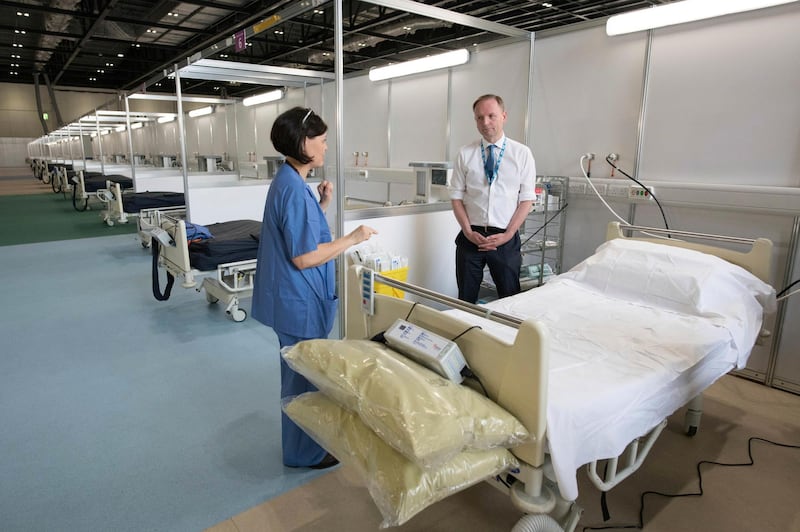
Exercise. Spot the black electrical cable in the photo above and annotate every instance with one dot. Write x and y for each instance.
(779, 294)
(411, 310)
(559, 211)
(666, 225)
(699, 493)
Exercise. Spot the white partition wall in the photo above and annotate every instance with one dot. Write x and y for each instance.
(723, 103)
(587, 97)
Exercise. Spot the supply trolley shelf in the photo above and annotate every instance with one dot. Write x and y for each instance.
(542, 235)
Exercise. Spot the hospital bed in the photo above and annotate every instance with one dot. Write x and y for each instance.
(226, 262)
(146, 207)
(592, 368)
(98, 184)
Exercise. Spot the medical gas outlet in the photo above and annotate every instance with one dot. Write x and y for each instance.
(638, 193)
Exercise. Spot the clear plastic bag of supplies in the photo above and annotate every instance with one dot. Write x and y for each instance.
(427, 418)
(399, 487)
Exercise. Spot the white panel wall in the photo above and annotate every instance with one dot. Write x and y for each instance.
(724, 104)
(366, 125)
(586, 98)
(417, 119)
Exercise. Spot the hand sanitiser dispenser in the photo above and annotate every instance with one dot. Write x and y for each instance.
(431, 350)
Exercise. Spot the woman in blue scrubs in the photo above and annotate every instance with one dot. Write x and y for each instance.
(295, 285)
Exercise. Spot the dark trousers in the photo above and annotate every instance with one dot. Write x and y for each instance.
(504, 264)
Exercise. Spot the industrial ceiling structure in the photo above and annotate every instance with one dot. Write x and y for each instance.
(124, 44)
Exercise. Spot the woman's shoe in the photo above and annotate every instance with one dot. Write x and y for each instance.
(325, 463)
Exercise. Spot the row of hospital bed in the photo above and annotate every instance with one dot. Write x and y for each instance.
(222, 265)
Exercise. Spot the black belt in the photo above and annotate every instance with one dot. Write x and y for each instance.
(487, 229)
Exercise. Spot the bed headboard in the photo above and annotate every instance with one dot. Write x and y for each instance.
(514, 375)
(758, 260)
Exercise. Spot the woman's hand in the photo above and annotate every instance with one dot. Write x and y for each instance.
(361, 233)
(325, 191)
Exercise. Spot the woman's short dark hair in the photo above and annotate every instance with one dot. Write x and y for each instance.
(292, 128)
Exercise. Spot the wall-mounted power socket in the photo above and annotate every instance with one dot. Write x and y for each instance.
(635, 192)
(617, 191)
(576, 189)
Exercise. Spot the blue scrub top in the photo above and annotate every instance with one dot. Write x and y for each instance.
(294, 302)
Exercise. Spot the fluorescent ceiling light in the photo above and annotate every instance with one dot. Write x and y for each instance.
(264, 97)
(201, 111)
(680, 12)
(119, 129)
(137, 125)
(165, 119)
(432, 62)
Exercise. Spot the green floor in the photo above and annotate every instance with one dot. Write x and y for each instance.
(33, 218)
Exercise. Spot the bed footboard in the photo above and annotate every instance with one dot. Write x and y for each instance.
(512, 375)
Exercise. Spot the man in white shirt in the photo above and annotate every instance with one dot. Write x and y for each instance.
(492, 190)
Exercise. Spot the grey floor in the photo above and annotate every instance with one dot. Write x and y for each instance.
(119, 412)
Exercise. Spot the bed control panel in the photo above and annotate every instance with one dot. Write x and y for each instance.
(162, 236)
(367, 294)
(431, 350)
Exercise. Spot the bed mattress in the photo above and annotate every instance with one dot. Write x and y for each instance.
(94, 182)
(133, 203)
(231, 241)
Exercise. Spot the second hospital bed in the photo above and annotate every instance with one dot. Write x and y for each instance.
(593, 362)
(223, 254)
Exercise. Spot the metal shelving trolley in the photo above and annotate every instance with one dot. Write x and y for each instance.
(542, 233)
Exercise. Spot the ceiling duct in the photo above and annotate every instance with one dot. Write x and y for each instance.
(55, 22)
(358, 42)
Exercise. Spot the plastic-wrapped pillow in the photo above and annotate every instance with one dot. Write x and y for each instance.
(399, 487)
(427, 418)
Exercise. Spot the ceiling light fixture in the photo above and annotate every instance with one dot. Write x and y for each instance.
(264, 97)
(202, 111)
(137, 125)
(680, 12)
(425, 64)
(165, 119)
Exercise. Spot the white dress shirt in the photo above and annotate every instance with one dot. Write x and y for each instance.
(493, 205)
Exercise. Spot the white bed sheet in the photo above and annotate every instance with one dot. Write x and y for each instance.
(618, 367)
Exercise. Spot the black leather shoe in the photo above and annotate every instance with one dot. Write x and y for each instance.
(325, 463)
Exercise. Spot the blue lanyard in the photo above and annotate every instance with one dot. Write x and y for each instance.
(491, 178)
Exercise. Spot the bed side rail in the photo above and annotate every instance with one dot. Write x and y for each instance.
(513, 375)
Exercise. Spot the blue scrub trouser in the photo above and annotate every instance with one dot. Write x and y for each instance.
(299, 449)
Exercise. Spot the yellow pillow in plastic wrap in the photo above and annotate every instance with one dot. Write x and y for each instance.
(399, 487)
(424, 416)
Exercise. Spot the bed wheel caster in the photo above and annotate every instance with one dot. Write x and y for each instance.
(110, 223)
(544, 503)
(238, 315)
(691, 431)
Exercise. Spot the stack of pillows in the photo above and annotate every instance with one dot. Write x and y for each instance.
(413, 436)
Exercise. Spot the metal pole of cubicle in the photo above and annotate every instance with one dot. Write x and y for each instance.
(130, 141)
(99, 142)
(182, 138)
(338, 67)
(642, 114)
(526, 133)
(794, 243)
